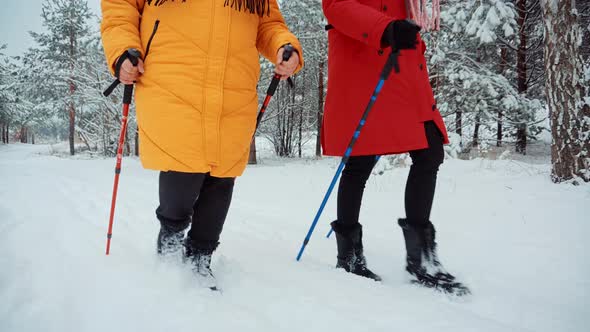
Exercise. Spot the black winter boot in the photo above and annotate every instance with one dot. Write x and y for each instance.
(350, 251)
(169, 241)
(422, 259)
(199, 258)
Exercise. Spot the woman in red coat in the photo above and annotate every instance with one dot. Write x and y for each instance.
(403, 119)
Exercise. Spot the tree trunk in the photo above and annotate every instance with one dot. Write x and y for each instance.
(72, 56)
(282, 125)
(127, 147)
(499, 130)
(3, 132)
(23, 134)
(521, 69)
(521, 138)
(475, 141)
(459, 123)
(72, 128)
(570, 114)
(318, 144)
(105, 134)
(136, 141)
(33, 138)
(7, 132)
(503, 64)
(72, 113)
(290, 125)
(252, 157)
(300, 143)
(521, 65)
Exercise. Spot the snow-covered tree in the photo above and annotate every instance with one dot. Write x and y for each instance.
(473, 70)
(567, 91)
(529, 62)
(7, 95)
(295, 114)
(35, 94)
(307, 20)
(67, 32)
(99, 119)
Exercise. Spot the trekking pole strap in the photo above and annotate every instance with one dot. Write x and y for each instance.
(392, 63)
(133, 55)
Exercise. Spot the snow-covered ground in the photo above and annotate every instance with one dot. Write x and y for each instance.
(519, 241)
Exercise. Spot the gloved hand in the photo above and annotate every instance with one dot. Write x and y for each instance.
(401, 34)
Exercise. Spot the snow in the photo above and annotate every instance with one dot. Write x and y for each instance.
(551, 5)
(519, 241)
(485, 21)
(508, 31)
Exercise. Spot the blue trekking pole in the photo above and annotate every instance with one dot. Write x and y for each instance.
(391, 63)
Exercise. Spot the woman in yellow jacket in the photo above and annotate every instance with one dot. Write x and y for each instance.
(196, 102)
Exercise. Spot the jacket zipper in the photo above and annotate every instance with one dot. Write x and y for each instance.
(149, 44)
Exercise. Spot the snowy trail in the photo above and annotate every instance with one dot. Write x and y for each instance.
(515, 238)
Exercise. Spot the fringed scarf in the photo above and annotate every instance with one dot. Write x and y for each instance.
(418, 12)
(260, 7)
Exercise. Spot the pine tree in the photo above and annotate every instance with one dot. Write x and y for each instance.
(567, 91)
(34, 101)
(66, 22)
(529, 64)
(7, 95)
(475, 83)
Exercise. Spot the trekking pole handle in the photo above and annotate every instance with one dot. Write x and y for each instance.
(287, 53)
(133, 56)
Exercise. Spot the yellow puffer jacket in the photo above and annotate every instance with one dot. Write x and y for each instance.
(196, 102)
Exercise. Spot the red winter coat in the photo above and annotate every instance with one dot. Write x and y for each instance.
(355, 61)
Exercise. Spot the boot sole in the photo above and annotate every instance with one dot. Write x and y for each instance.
(450, 288)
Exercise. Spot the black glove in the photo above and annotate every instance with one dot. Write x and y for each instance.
(401, 34)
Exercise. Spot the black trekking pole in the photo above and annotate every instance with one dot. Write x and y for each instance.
(133, 56)
(392, 63)
(287, 52)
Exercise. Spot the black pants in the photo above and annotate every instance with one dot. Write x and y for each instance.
(196, 198)
(419, 187)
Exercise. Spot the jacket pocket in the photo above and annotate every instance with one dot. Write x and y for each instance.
(149, 44)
